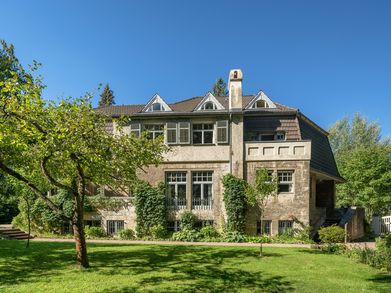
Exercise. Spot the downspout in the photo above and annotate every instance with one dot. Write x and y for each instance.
(230, 143)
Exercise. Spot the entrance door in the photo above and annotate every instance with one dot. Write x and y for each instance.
(114, 226)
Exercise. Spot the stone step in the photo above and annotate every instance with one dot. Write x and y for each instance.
(13, 233)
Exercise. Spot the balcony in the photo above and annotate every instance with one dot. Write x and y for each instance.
(202, 204)
(176, 203)
(278, 151)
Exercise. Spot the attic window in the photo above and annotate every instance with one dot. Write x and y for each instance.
(260, 104)
(209, 106)
(156, 107)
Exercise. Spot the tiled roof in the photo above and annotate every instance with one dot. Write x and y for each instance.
(184, 106)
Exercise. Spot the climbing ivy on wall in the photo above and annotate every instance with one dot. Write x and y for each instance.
(150, 205)
(235, 202)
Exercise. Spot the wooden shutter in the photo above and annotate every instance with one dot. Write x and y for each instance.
(222, 131)
(184, 132)
(171, 132)
(135, 129)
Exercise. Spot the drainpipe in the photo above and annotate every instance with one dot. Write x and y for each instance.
(230, 142)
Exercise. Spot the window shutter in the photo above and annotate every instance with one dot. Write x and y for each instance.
(184, 132)
(222, 131)
(135, 129)
(171, 133)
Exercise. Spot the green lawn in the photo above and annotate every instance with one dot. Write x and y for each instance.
(49, 267)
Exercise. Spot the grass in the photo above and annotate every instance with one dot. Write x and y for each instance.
(50, 267)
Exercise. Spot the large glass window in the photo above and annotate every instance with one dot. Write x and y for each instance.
(176, 189)
(267, 224)
(154, 130)
(285, 181)
(202, 133)
(285, 227)
(202, 189)
(114, 226)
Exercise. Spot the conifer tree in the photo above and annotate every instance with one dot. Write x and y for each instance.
(107, 97)
(219, 89)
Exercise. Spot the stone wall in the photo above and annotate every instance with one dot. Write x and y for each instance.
(285, 205)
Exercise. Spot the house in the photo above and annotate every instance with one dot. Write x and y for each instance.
(211, 136)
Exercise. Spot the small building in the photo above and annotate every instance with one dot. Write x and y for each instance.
(210, 136)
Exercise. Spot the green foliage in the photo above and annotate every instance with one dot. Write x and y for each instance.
(234, 236)
(107, 97)
(187, 221)
(150, 204)
(235, 202)
(127, 234)
(219, 88)
(209, 233)
(159, 232)
(8, 199)
(258, 239)
(331, 234)
(363, 159)
(95, 232)
(189, 235)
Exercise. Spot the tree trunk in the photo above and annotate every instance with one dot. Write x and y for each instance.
(29, 222)
(78, 232)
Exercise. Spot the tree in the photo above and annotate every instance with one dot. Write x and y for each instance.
(362, 157)
(259, 192)
(8, 200)
(65, 146)
(219, 88)
(106, 97)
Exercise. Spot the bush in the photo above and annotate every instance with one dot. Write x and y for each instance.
(258, 239)
(158, 232)
(189, 235)
(209, 233)
(234, 236)
(127, 234)
(94, 232)
(332, 234)
(187, 221)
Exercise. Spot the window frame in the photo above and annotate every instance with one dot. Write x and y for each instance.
(267, 231)
(222, 128)
(284, 226)
(202, 183)
(203, 131)
(285, 182)
(180, 203)
(154, 131)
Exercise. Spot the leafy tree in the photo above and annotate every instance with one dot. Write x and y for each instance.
(106, 97)
(260, 191)
(46, 145)
(8, 199)
(363, 159)
(219, 88)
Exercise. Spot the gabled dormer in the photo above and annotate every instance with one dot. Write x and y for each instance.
(260, 101)
(209, 103)
(156, 104)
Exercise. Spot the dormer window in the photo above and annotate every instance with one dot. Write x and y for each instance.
(157, 107)
(156, 104)
(260, 101)
(209, 106)
(260, 104)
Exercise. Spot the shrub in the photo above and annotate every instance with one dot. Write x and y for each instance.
(126, 234)
(94, 232)
(209, 233)
(258, 239)
(234, 236)
(158, 232)
(150, 204)
(235, 202)
(331, 234)
(189, 235)
(187, 221)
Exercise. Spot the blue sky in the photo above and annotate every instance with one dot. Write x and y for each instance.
(327, 58)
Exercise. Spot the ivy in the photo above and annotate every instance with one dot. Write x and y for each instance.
(235, 202)
(150, 204)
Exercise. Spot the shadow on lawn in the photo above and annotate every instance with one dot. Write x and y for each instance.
(162, 268)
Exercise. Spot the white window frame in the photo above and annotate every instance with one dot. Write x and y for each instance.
(284, 226)
(176, 178)
(135, 129)
(284, 175)
(199, 180)
(172, 126)
(203, 133)
(222, 128)
(153, 131)
(280, 134)
(115, 226)
(184, 125)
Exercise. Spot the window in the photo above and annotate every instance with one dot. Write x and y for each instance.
(176, 189)
(285, 227)
(171, 132)
(222, 131)
(184, 132)
(280, 136)
(209, 106)
(202, 133)
(260, 104)
(267, 224)
(200, 224)
(114, 226)
(173, 226)
(202, 186)
(157, 107)
(92, 223)
(135, 129)
(285, 181)
(259, 136)
(154, 130)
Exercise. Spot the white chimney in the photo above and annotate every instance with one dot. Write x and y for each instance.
(235, 89)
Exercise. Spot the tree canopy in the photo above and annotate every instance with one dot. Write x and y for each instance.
(219, 88)
(64, 145)
(106, 97)
(363, 159)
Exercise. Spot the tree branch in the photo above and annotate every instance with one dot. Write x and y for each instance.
(51, 179)
(33, 188)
